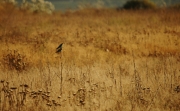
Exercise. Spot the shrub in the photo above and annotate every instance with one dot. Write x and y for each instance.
(15, 61)
(139, 4)
(37, 6)
(9, 1)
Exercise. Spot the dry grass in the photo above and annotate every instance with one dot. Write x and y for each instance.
(111, 60)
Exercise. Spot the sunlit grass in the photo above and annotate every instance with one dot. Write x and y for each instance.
(110, 60)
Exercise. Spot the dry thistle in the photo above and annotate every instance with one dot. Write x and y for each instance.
(177, 89)
(2, 81)
(13, 88)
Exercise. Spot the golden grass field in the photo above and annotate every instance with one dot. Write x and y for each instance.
(111, 60)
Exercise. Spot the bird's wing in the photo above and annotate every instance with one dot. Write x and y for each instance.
(59, 46)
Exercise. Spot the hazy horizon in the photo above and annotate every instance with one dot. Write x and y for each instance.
(75, 4)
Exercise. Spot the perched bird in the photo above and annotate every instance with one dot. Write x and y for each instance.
(59, 48)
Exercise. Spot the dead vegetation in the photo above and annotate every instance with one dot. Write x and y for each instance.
(111, 60)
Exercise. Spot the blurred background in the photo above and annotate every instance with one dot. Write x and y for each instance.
(64, 5)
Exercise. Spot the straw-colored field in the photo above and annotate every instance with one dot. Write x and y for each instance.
(111, 61)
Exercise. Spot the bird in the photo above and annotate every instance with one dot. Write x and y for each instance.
(59, 48)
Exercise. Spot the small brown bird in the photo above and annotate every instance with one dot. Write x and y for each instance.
(59, 48)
